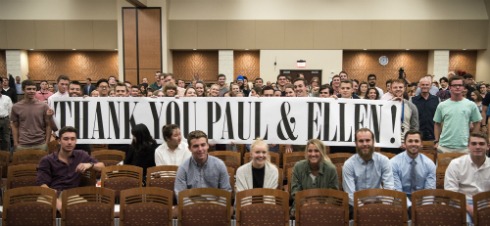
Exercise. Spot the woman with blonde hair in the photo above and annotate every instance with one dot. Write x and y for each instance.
(316, 171)
(259, 172)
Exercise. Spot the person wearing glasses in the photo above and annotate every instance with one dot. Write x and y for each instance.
(452, 119)
(103, 87)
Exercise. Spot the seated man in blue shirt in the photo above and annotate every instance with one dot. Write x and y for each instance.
(201, 170)
(413, 171)
(366, 169)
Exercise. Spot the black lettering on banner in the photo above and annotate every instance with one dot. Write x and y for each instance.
(358, 120)
(100, 125)
(228, 122)
(376, 123)
(326, 122)
(187, 120)
(85, 119)
(113, 114)
(284, 121)
(76, 114)
(173, 110)
(258, 114)
(393, 120)
(63, 112)
(213, 117)
(156, 118)
(241, 120)
(342, 124)
(129, 121)
(312, 122)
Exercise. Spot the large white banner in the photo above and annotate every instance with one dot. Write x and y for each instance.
(278, 120)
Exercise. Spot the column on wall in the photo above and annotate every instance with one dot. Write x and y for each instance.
(225, 64)
(438, 63)
(17, 63)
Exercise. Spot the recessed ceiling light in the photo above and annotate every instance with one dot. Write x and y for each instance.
(115, 49)
(407, 49)
(194, 49)
(246, 49)
(464, 49)
(364, 49)
(31, 49)
(73, 49)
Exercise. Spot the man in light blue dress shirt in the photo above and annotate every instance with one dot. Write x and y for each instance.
(201, 170)
(366, 169)
(412, 176)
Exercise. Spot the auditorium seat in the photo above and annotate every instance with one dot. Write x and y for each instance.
(262, 206)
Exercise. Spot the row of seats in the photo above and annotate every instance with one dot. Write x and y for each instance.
(208, 206)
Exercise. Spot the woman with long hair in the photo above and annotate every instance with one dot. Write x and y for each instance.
(363, 88)
(259, 172)
(316, 171)
(200, 88)
(372, 94)
(142, 150)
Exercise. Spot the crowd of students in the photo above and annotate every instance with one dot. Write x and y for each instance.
(444, 112)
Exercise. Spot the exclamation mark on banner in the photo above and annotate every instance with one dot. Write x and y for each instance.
(393, 120)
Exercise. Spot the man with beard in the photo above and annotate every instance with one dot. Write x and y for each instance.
(372, 83)
(75, 89)
(409, 116)
(366, 169)
(413, 171)
(223, 88)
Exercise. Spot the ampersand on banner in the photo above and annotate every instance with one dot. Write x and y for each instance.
(284, 121)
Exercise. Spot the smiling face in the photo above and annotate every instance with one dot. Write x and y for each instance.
(477, 147)
(259, 156)
(199, 148)
(365, 144)
(175, 139)
(290, 92)
(313, 155)
(199, 89)
(398, 88)
(300, 88)
(413, 144)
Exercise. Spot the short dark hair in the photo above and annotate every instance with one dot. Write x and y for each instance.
(467, 75)
(168, 130)
(259, 78)
(68, 129)
(75, 82)
(412, 131)
(457, 77)
(62, 77)
(326, 86)
(479, 135)
(347, 81)
(443, 79)
(196, 134)
(371, 75)
(26, 83)
(221, 75)
(101, 81)
(364, 130)
(301, 79)
(266, 88)
(389, 81)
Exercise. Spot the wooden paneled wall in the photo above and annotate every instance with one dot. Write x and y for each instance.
(78, 65)
(142, 43)
(359, 64)
(3, 63)
(246, 63)
(202, 65)
(463, 61)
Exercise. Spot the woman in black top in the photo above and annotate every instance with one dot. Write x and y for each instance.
(142, 150)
